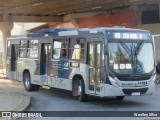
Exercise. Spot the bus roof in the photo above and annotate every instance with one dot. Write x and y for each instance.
(73, 31)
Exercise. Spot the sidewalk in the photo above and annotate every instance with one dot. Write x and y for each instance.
(11, 100)
(14, 102)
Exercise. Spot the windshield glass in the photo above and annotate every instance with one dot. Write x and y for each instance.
(131, 58)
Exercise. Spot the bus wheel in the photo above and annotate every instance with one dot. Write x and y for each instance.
(119, 97)
(27, 82)
(36, 87)
(81, 91)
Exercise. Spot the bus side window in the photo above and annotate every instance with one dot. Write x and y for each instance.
(76, 49)
(64, 49)
(9, 48)
(60, 48)
(23, 48)
(32, 49)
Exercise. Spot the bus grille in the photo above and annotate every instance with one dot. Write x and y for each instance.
(134, 78)
(130, 91)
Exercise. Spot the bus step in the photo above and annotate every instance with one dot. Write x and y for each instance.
(45, 87)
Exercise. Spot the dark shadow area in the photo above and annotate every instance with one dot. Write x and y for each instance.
(92, 100)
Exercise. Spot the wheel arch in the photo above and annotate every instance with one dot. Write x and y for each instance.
(75, 81)
(25, 71)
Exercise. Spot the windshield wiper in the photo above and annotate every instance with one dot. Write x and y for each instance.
(139, 48)
(131, 52)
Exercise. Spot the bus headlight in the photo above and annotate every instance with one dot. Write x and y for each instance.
(113, 81)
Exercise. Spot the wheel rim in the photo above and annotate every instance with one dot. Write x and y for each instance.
(27, 82)
(79, 89)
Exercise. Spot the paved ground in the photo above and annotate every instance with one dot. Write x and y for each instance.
(13, 100)
(61, 100)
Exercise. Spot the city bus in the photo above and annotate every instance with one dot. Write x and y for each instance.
(103, 62)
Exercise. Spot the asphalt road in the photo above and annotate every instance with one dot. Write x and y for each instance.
(61, 100)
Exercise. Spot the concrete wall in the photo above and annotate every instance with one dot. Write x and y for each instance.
(127, 19)
(157, 47)
(154, 28)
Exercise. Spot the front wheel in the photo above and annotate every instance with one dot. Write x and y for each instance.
(81, 91)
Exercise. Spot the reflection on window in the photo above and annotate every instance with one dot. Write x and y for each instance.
(32, 52)
(24, 44)
(60, 49)
(56, 50)
(9, 49)
(22, 52)
(131, 58)
(23, 48)
(103, 55)
(98, 57)
(33, 43)
(91, 55)
(28, 49)
(76, 48)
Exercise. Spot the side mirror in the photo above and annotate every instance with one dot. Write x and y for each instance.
(158, 68)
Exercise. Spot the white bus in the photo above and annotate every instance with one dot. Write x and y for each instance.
(101, 62)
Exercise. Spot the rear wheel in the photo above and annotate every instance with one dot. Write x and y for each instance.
(27, 83)
(119, 97)
(36, 87)
(81, 91)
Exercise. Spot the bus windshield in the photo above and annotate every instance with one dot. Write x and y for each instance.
(131, 58)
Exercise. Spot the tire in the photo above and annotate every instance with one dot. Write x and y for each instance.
(82, 97)
(119, 97)
(27, 83)
(36, 87)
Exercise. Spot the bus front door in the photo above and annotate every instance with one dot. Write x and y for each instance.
(44, 63)
(13, 61)
(94, 62)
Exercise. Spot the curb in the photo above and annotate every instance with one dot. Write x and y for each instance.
(22, 104)
(28, 106)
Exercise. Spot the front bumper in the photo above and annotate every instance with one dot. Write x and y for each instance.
(110, 90)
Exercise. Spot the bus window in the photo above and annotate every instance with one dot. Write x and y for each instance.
(9, 48)
(103, 55)
(60, 49)
(23, 48)
(76, 48)
(32, 50)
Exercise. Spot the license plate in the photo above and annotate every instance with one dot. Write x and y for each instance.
(136, 94)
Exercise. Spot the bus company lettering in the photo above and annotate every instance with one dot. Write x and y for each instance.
(127, 84)
(143, 83)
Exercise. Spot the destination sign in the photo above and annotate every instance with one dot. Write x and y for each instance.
(129, 35)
